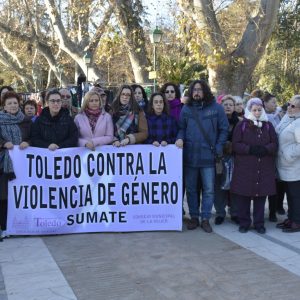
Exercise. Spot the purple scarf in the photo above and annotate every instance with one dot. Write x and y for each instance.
(175, 108)
(92, 116)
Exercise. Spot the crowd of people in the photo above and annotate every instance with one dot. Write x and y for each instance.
(256, 138)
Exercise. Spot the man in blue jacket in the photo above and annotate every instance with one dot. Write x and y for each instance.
(203, 130)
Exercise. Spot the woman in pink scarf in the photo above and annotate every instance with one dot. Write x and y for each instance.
(94, 124)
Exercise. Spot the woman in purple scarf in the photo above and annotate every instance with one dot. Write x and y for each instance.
(172, 94)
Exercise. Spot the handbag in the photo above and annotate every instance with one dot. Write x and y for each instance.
(218, 160)
(227, 173)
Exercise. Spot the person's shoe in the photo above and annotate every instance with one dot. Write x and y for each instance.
(1, 239)
(281, 211)
(243, 229)
(219, 220)
(206, 226)
(235, 219)
(261, 230)
(293, 228)
(285, 224)
(192, 223)
(273, 218)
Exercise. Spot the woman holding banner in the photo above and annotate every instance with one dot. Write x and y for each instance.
(54, 128)
(161, 126)
(129, 119)
(14, 130)
(94, 124)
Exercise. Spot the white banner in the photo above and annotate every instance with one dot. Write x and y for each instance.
(133, 188)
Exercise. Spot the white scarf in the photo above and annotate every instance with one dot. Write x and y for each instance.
(257, 122)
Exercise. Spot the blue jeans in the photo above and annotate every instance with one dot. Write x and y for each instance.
(208, 193)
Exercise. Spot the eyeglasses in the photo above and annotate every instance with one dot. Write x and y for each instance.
(292, 105)
(58, 101)
(125, 95)
(197, 90)
(169, 91)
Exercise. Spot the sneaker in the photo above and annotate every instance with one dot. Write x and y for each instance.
(293, 228)
(206, 226)
(235, 219)
(281, 211)
(273, 218)
(219, 220)
(192, 223)
(285, 224)
(243, 229)
(261, 230)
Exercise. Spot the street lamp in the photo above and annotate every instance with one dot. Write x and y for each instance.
(60, 70)
(87, 59)
(34, 77)
(155, 38)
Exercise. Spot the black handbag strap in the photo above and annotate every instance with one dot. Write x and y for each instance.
(203, 132)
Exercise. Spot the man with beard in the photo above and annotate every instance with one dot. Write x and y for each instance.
(203, 130)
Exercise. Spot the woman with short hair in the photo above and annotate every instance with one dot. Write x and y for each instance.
(288, 163)
(14, 130)
(54, 128)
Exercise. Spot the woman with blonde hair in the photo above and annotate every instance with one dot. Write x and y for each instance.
(94, 124)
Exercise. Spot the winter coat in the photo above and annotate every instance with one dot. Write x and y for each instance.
(161, 128)
(253, 176)
(196, 150)
(25, 127)
(60, 130)
(142, 130)
(288, 159)
(103, 133)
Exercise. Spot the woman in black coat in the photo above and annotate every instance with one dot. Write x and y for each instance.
(14, 130)
(54, 128)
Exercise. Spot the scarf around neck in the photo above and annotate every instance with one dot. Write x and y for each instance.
(93, 116)
(10, 131)
(257, 122)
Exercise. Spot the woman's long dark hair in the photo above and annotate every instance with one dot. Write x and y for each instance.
(176, 88)
(134, 107)
(150, 107)
(207, 94)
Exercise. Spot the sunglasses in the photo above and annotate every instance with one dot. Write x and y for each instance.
(170, 91)
(292, 105)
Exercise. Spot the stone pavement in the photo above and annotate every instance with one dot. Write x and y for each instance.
(153, 265)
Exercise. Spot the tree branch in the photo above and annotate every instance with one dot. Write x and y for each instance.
(258, 32)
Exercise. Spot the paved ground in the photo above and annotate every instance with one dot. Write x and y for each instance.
(153, 265)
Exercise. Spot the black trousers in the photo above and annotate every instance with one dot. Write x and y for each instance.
(3, 214)
(244, 205)
(276, 201)
(293, 198)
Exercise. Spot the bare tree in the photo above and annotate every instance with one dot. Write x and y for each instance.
(230, 70)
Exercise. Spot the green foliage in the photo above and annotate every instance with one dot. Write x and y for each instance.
(279, 70)
(179, 70)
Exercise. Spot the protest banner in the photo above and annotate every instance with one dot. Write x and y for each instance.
(74, 190)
